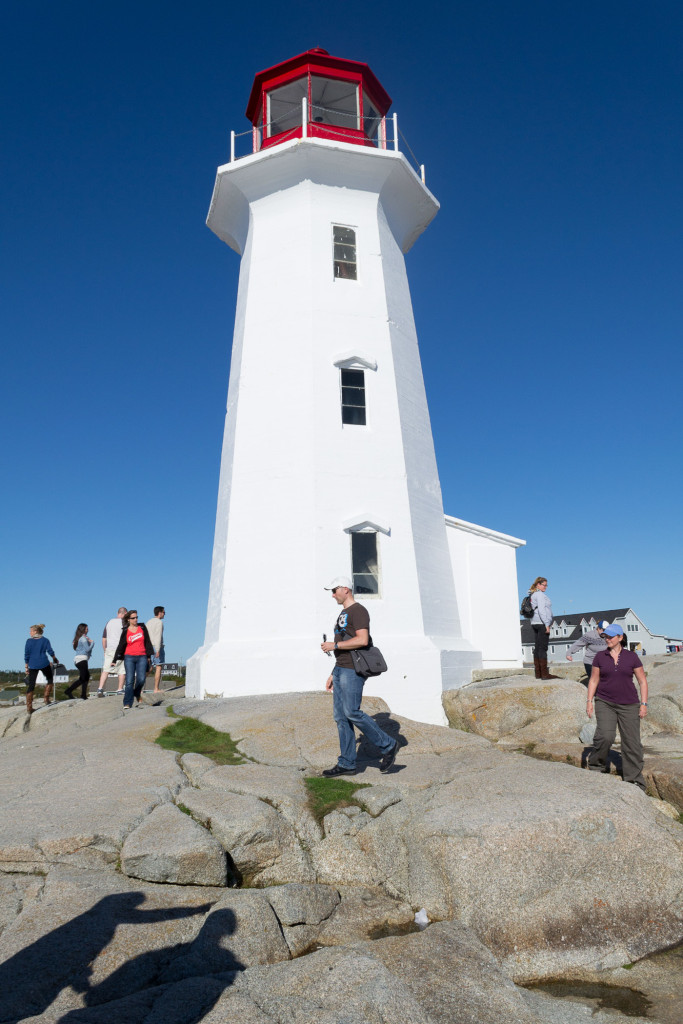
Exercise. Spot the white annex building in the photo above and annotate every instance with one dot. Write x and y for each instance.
(328, 464)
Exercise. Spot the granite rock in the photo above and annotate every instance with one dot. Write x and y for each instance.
(169, 846)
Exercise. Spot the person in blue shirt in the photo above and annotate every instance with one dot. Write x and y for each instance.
(36, 657)
(82, 645)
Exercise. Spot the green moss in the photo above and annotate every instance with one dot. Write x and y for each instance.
(325, 795)
(184, 809)
(189, 736)
(171, 713)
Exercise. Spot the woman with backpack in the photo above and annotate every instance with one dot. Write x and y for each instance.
(541, 622)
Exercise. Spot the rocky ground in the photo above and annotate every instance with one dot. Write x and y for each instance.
(548, 720)
(140, 886)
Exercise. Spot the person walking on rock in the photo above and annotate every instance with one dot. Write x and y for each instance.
(36, 652)
(82, 645)
(352, 632)
(541, 622)
(155, 628)
(592, 642)
(111, 634)
(135, 648)
(617, 704)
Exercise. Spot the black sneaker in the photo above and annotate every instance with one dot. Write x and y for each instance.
(388, 759)
(332, 773)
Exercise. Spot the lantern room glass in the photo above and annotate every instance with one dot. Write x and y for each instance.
(284, 106)
(334, 101)
(371, 118)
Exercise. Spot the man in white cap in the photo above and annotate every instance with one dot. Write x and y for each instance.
(351, 632)
(592, 642)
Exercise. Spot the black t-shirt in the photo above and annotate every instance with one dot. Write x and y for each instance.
(349, 621)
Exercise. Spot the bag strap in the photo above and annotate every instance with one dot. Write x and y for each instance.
(352, 635)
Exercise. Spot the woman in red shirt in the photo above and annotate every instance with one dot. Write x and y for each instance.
(135, 647)
(617, 703)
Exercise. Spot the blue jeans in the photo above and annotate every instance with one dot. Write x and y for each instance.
(347, 691)
(136, 666)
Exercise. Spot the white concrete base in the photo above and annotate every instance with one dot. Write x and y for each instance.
(419, 670)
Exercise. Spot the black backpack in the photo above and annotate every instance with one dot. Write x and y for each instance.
(527, 609)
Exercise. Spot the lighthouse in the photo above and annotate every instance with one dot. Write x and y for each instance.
(328, 464)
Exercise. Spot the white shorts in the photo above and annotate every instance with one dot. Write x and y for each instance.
(108, 658)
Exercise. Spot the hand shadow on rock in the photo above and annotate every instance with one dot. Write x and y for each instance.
(33, 978)
(190, 977)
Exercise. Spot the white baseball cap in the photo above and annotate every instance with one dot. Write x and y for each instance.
(340, 581)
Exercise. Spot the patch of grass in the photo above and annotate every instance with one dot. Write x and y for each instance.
(189, 736)
(171, 713)
(627, 967)
(184, 809)
(325, 795)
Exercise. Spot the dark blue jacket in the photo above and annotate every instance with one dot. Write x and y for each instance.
(36, 650)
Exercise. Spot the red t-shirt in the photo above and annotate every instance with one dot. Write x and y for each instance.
(135, 641)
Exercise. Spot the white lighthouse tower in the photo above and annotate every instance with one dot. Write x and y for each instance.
(328, 462)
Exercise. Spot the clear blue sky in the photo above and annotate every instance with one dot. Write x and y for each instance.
(547, 292)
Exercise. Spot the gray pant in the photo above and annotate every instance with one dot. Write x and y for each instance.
(627, 717)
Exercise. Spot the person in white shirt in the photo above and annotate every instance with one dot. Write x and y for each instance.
(155, 628)
(110, 640)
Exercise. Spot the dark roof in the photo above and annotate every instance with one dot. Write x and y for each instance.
(574, 620)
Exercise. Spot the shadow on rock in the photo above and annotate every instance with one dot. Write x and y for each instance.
(32, 979)
(183, 996)
(367, 753)
(613, 759)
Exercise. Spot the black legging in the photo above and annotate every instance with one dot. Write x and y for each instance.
(33, 675)
(542, 639)
(82, 681)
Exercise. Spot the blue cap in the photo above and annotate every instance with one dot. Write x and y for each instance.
(613, 631)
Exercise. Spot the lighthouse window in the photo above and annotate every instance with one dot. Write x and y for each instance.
(353, 397)
(284, 106)
(365, 563)
(334, 101)
(371, 117)
(344, 253)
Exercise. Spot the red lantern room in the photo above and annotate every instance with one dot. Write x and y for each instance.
(318, 96)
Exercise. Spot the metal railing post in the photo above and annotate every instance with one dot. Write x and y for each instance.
(304, 117)
(422, 173)
(383, 133)
(232, 147)
(395, 119)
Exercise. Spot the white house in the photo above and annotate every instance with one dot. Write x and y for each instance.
(568, 628)
(328, 463)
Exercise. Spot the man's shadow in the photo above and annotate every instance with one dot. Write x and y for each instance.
(32, 979)
(368, 755)
(199, 971)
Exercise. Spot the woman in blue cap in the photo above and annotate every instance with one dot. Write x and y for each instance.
(617, 704)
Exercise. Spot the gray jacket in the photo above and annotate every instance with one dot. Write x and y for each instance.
(593, 643)
(543, 610)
